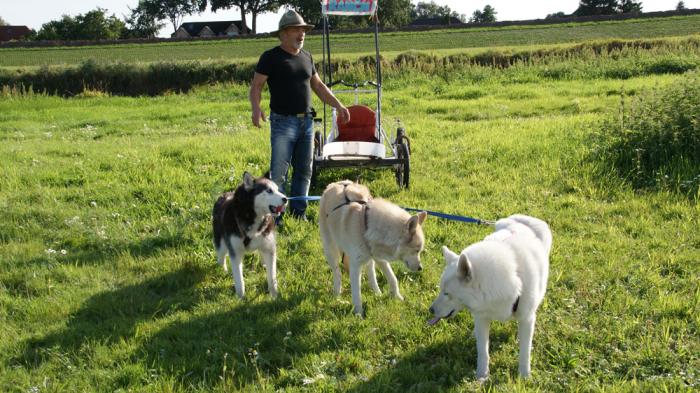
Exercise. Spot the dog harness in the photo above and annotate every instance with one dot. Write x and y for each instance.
(264, 225)
(365, 208)
(365, 204)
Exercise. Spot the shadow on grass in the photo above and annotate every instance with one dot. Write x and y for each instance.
(360, 175)
(238, 346)
(111, 316)
(432, 368)
(99, 252)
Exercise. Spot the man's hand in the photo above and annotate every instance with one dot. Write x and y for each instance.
(343, 114)
(255, 94)
(258, 114)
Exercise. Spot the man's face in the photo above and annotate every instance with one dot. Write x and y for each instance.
(293, 37)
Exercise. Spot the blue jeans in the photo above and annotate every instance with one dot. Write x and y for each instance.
(292, 142)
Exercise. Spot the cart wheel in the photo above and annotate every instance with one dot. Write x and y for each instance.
(403, 168)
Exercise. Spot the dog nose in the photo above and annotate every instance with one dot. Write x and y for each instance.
(432, 310)
(420, 267)
(284, 200)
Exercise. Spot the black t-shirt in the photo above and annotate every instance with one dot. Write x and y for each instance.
(288, 77)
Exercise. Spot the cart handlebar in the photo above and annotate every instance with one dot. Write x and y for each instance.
(353, 85)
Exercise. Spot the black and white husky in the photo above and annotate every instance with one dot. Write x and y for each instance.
(244, 221)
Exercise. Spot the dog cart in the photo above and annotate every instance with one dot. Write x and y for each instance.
(362, 142)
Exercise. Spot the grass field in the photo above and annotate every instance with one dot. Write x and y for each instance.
(108, 280)
(248, 50)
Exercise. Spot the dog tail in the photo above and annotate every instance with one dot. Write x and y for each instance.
(539, 227)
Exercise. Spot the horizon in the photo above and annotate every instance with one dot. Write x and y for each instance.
(35, 13)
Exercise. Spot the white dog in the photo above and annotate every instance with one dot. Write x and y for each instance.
(243, 221)
(502, 277)
(366, 230)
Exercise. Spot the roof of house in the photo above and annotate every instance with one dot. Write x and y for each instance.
(8, 33)
(193, 28)
(437, 21)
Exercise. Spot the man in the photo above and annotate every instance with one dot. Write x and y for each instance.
(291, 76)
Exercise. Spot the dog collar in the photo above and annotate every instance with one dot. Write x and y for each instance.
(263, 227)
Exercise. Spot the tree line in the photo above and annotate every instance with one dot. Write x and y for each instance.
(150, 16)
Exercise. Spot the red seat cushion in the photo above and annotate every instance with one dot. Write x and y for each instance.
(361, 127)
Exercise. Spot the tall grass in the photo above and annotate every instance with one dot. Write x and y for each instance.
(125, 78)
(653, 140)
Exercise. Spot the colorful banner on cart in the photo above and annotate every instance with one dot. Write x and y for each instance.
(349, 7)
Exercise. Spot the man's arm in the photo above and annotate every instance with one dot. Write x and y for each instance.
(255, 96)
(326, 95)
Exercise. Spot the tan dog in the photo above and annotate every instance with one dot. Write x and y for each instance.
(367, 230)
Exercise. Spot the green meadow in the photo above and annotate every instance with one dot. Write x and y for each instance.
(108, 280)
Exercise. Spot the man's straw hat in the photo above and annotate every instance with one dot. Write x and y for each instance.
(291, 19)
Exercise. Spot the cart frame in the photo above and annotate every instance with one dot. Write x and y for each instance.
(389, 151)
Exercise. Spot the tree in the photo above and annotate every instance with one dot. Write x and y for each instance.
(596, 7)
(630, 7)
(425, 10)
(226, 4)
(394, 13)
(57, 29)
(172, 10)
(488, 15)
(260, 7)
(555, 15)
(94, 25)
(310, 10)
(2, 22)
(680, 6)
(140, 24)
(255, 7)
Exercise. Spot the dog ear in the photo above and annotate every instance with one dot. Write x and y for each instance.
(464, 271)
(248, 181)
(414, 221)
(450, 256)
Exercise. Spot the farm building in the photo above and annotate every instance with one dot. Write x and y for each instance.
(10, 33)
(209, 29)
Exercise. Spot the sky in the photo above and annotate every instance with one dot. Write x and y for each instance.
(34, 13)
